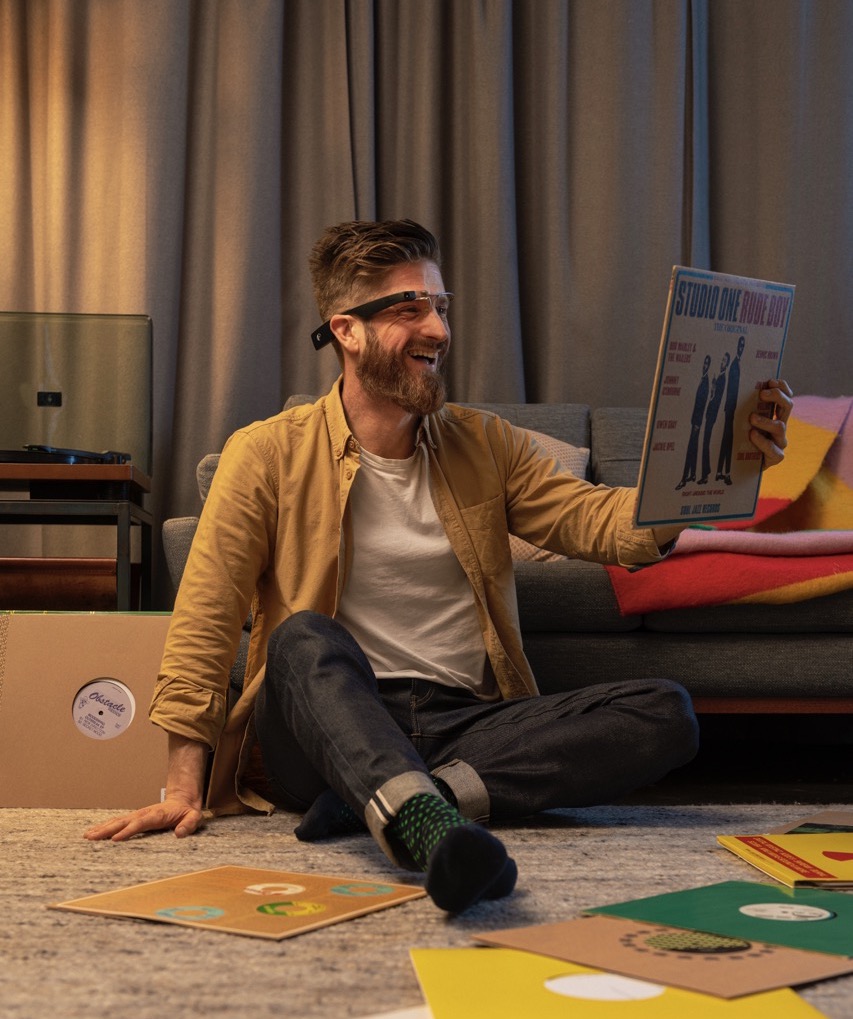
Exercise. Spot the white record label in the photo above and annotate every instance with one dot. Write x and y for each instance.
(791, 911)
(103, 708)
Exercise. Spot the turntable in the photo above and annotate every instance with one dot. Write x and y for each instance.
(36, 454)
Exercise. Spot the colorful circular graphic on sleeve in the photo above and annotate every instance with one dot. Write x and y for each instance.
(274, 889)
(291, 907)
(361, 889)
(789, 911)
(602, 987)
(195, 913)
(696, 941)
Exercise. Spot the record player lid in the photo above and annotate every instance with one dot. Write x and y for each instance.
(34, 454)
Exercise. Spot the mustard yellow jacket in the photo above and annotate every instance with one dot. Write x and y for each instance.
(270, 540)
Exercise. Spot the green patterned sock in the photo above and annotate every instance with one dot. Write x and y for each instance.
(464, 863)
(422, 822)
(329, 815)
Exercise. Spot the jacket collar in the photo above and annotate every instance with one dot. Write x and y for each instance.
(336, 420)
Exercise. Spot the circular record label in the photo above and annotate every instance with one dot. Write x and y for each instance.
(103, 708)
(791, 911)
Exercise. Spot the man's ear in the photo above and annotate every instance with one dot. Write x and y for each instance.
(348, 332)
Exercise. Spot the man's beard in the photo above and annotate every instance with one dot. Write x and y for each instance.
(382, 374)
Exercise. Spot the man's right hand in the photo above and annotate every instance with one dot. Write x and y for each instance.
(172, 813)
(181, 807)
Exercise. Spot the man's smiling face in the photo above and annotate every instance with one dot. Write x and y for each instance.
(405, 347)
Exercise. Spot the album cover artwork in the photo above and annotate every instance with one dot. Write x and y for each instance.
(827, 822)
(807, 918)
(723, 966)
(798, 859)
(501, 983)
(722, 341)
(243, 900)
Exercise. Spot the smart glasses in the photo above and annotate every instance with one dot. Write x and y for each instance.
(420, 300)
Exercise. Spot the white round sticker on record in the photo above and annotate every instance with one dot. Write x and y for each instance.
(103, 709)
(788, 911)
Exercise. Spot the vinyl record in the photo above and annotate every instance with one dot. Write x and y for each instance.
(103, 709)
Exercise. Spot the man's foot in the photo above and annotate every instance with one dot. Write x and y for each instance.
(464, 863)
(469, 864)
(504, 883)
(328, 816)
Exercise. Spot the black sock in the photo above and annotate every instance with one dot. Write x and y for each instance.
(329, 815)
(464, 863)
(504, 882)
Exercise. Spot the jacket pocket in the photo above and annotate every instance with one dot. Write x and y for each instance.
(487, 527)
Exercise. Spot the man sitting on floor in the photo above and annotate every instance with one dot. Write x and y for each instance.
(368, 533)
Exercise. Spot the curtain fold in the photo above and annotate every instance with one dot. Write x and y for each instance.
(179, 157)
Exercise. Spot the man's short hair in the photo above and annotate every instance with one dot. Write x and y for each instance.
(352, 258)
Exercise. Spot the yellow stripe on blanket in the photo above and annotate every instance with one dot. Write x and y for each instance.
(816, 587)
(815, 477)
(808, 445)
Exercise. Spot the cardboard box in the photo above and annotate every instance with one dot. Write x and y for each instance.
(74, 695)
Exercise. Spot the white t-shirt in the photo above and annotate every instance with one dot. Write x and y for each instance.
(406, 599)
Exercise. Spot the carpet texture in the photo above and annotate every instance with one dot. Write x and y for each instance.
(70, 966)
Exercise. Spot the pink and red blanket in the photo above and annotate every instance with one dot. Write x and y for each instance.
(798, 545)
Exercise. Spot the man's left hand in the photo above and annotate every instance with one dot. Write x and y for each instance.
(769, 429)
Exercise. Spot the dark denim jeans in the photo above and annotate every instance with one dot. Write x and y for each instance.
(323, 719)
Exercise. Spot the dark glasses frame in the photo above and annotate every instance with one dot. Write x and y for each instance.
(323, 335)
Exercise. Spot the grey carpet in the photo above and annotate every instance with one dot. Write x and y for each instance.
(70, 966)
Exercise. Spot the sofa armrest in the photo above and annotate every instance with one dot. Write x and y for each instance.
(178, 534)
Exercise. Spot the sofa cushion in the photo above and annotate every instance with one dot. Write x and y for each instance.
(178, 534)
(617, 444)
(749, 666)
(298, 399)
(568, 596)
(204, 473)
(568, 422)
(832, 613)
(569, 457)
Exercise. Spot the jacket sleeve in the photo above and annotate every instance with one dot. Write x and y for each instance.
(553, 509)
(231, 549)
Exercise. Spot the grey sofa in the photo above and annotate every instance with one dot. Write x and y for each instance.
(760, 658)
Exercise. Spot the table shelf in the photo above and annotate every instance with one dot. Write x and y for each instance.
(76, 494)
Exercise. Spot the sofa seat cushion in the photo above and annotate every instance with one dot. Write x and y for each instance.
(832, 613)
(749, 666)
(568, 596)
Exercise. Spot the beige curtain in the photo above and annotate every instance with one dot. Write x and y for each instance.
(178, 158)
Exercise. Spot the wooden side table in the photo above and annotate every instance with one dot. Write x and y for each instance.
(106, 494)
